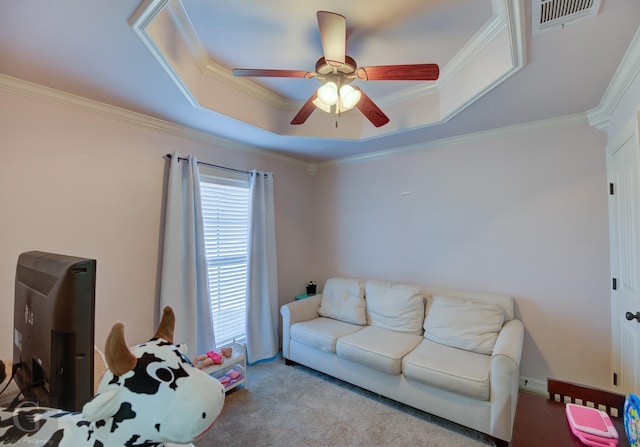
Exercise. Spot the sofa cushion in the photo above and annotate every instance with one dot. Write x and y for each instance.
(343, 299)
(322, 333)
(396, 307)
(377, 348)
(463, 324)
(453, 369)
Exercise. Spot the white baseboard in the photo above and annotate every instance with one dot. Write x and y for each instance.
(534, 386)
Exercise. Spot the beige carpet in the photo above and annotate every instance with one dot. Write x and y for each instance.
(294, 406)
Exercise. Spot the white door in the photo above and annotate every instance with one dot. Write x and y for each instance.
(624, 219)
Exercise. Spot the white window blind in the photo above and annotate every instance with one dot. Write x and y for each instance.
(225, 210)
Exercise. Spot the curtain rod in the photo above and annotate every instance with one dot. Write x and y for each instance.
(210, 165)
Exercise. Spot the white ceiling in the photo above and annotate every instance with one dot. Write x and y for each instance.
(89, 48)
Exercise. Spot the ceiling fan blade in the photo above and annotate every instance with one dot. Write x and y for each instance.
(372, 111)
(305, 111)
(257, 72)
(407, 72)
(333, 33)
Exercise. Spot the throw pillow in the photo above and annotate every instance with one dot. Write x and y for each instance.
(465, 324)
(396, 307)
(343, 299)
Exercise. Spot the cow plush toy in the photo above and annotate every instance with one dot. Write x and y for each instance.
(150, 395)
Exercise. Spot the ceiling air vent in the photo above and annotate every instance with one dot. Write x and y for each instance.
(551, 13)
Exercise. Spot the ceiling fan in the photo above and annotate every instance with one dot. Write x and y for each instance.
(336, 71)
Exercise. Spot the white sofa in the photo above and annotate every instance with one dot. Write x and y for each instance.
(461, 362)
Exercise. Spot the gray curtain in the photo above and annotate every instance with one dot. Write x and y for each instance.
(184, 284)
(262, 284)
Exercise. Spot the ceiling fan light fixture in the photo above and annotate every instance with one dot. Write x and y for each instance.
(349, 96)
(328, 93)
(321, 105)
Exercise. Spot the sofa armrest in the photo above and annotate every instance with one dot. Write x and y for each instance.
(505, 378)
(295, 312)
(510, 341)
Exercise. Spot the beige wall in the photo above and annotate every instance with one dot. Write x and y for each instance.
(523, 213)
(520, 212)
(84, 184)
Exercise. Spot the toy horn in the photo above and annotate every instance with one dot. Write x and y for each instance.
(166, 326)
(119, 359)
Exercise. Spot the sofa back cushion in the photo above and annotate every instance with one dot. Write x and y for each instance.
(506, 302)
(396, 307)
(343, 299)
(463, 323)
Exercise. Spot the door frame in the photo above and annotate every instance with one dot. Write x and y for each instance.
(630, 132)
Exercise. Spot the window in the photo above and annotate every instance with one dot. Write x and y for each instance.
(225, 210)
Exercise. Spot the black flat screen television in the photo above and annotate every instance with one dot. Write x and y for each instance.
(53, 329)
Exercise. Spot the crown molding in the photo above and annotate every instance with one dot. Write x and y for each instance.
(626, 73)
(552, 123)
(472, 49)
(469, 51)
(629, 131)
(46, 94)
(139, 22)
(515, 12)
(145, 15)
(506, 15)
(146, 12)
(208, 67)
(599, 118)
